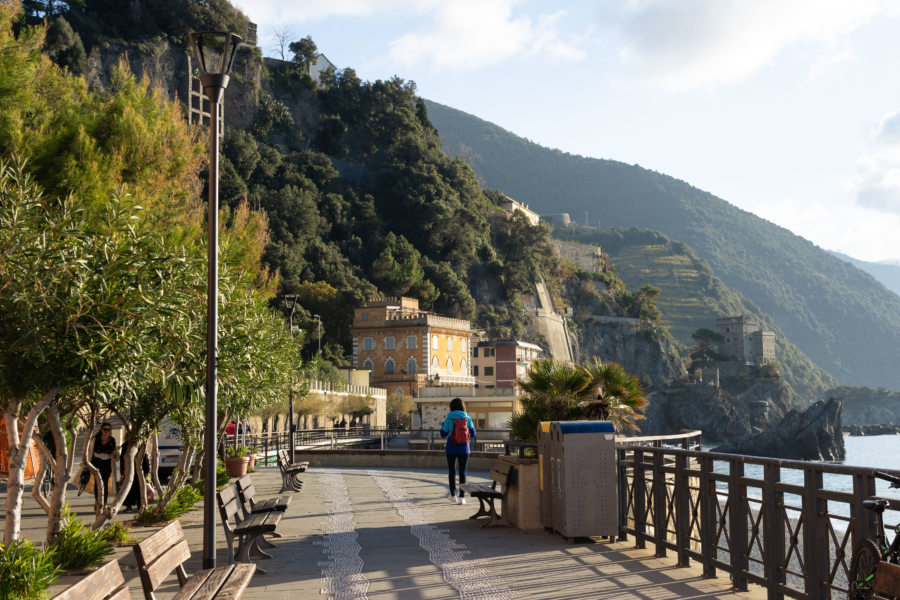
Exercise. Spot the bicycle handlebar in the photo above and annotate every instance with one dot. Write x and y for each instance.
(895, 481)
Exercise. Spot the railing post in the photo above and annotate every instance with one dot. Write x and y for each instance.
(737, 525)
(682, 509)
(773, 528)
(708, 501)
(863, 519)
(659, 503)
(815, 541)
(623, 494)
(639, 489)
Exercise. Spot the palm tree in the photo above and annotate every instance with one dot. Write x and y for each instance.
(613, 395)
(558, 384)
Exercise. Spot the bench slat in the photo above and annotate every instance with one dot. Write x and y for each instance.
(102, 584)
(160, 554)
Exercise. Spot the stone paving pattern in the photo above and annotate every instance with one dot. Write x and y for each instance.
(393, 534)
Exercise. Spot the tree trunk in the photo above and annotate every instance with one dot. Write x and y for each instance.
(17, 451)
(62, 469)
(109, 510)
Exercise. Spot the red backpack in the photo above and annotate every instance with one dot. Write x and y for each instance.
(460, 433)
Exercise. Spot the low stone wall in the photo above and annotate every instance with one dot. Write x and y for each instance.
(402, 459)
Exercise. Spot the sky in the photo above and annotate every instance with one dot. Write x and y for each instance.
(789, 109)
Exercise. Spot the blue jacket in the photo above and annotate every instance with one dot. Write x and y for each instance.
(447, 428)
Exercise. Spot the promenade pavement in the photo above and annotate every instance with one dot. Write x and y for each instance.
(393, 534)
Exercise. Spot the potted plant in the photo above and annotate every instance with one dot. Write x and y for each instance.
(237, 460)
(252, 453)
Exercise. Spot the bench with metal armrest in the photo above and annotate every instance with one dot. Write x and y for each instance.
(290, 472)
(501, 473)
(249, 531)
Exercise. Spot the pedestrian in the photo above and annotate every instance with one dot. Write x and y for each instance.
(102, 457)
(459, 430)
(343, 424)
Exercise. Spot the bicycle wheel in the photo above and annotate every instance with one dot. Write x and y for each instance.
(862, 570)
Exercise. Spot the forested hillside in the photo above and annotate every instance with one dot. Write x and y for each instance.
(844, 320)
(360, 198)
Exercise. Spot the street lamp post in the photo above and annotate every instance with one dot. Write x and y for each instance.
(319, 331)
(292, 298)
(209, 46)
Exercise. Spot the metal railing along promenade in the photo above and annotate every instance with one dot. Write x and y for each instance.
(769, 522)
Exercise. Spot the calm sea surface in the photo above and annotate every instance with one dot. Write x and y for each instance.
(879, 451)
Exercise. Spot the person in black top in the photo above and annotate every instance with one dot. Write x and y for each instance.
(102, 457)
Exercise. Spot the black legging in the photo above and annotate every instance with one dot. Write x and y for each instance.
(105, 468)
(451, 470)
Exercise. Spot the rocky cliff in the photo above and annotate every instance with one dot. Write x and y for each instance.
(814, 434)
(635, 346)
(717, 413)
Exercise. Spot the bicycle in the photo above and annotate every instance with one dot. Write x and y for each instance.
(868, 553)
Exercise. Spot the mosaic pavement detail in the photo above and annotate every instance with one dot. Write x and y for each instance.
(468, 577)
(342, 574)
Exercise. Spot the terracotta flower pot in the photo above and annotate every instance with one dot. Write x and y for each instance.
(237, 465)
(252, 464)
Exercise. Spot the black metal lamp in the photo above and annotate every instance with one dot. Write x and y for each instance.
(214, 53)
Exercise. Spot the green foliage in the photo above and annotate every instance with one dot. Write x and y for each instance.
(524, 424)
(182, 501)
(116, 533)
(79, 547)
(558, 391)
(239, 451)
(26, 572)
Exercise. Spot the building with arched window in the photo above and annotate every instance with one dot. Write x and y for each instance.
(393, 337)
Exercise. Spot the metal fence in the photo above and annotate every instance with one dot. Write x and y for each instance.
(770, 522)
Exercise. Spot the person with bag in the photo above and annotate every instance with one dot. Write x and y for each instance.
(459, 430)
(102, 456)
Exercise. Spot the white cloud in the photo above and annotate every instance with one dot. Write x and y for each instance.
(469, 34)
(878, 170)
(682, 45)
(274, 12)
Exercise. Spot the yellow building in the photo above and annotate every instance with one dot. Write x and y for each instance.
(407, 348)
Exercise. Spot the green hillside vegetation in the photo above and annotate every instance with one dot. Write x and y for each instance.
(843, 319)
(359, 197)
(692, 297)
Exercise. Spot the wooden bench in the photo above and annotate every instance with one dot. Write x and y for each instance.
(501, 473)
(290, 472)
(106, 583)
(250, 505)
(249, 531)
(166, 550)
(887, 581)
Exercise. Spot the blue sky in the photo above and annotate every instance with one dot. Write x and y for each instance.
(789, 109)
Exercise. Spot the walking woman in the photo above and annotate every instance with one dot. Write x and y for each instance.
(458, 429)
(102, 457)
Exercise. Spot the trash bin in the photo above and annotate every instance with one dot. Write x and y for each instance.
(582, 459)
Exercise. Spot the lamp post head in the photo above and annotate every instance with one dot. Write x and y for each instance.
(214, 52)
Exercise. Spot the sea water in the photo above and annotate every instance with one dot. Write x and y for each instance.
(877, 451)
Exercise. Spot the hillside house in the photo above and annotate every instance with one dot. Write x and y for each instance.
(511, 206)
(501, 363)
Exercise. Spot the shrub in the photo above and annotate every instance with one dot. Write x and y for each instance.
(238, 452)
(182, 501)
(79, 547)
(25, 571)
(116, 534)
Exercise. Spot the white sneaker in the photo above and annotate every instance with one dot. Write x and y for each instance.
(462, 500)
(453, 499)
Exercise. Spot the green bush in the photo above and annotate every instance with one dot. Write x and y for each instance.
(183, 500)
(116, 534)
(25, 571)
(77, 546)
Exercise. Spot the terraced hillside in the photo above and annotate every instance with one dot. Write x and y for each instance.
(692, 297)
